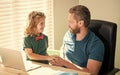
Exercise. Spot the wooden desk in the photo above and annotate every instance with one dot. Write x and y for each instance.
(44, 70)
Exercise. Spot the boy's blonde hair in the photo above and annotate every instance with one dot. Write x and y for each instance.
(33, 19)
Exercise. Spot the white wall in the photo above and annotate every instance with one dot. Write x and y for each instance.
(107, 10)
(61, 8)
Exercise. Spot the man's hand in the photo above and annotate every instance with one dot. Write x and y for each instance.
(57, 61)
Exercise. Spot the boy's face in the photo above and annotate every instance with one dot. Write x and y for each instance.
(41, 25)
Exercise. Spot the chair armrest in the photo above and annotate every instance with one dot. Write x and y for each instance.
(112, 72)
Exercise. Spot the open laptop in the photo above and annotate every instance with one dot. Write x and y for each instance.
(14, 59)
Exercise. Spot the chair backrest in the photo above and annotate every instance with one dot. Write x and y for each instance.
(106, 31)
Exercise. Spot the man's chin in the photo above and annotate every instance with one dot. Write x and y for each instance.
(72, 32)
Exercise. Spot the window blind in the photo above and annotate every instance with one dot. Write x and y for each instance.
(13, 18)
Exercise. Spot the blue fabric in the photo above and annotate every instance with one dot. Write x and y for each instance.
(78, 52)
(65, 73)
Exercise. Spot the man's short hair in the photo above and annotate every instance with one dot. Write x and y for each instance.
(81, 13)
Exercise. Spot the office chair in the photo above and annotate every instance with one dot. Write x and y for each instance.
(106, 31)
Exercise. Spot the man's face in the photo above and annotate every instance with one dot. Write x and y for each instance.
(73, 24)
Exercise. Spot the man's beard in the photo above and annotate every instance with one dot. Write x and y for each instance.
(74, 31)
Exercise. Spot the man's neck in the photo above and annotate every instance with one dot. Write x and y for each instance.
(81, 34)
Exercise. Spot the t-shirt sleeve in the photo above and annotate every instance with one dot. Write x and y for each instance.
(27, 43)
(97, 51)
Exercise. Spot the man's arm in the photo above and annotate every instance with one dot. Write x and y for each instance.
(92, 67)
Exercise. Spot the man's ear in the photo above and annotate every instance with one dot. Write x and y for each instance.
(80, 23)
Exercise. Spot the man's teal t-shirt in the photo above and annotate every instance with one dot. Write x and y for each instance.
(78, 52)
(38, 46)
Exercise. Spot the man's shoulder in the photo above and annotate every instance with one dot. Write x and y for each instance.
(93, 36)
(95, 40)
